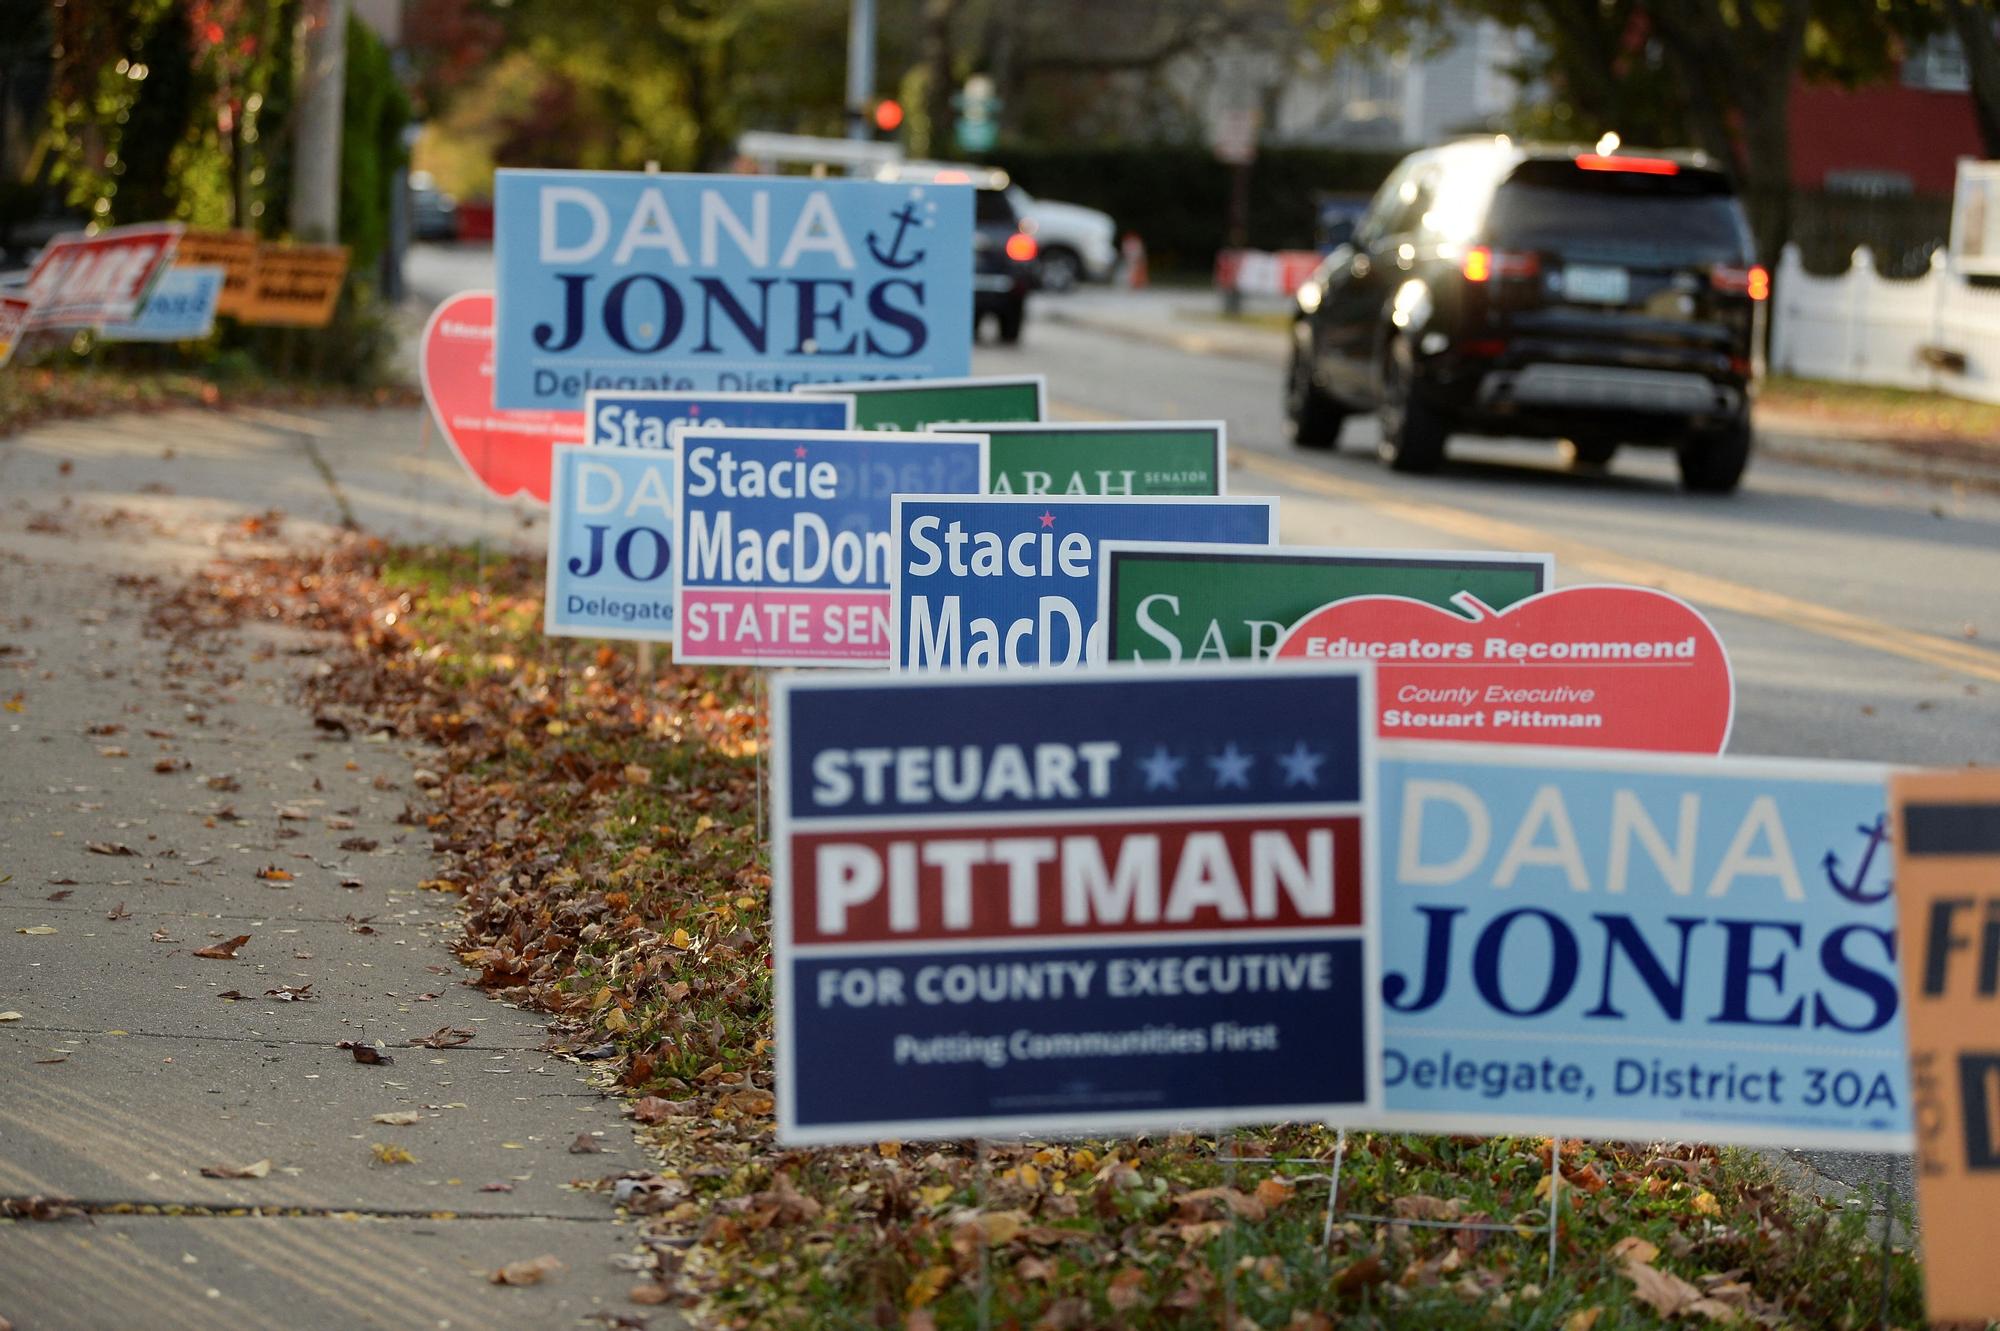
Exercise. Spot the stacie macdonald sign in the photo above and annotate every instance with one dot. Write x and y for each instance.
(694, 283)
(1066, 903)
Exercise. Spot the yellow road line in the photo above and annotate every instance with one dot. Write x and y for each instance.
(1827, 622)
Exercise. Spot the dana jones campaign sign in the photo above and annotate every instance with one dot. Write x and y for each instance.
(1639, 946)
(689, 283)
(611, 544)
(1100, 900)
(785, 544)
(984, 584)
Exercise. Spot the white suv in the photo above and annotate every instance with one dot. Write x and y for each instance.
(1078, 244)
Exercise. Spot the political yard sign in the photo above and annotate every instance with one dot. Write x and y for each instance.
(611, 544)
(1638, 947)
(1602, 667)
(786, 548)
(891, 404)
(1004, 581)
(688, 283)
(1083, 902)
(181, 307)
(619, 419)
(1164, 601)
(1106, 457)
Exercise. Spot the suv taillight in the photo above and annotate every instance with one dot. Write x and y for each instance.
(1021, 247)
(1483, 263)
(1754, 281)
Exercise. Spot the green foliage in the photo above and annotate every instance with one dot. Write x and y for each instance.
(1177, 197)
(371, 146)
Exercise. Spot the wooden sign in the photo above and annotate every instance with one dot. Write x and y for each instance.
(1947, 837)
(297, 285)
(235, 252)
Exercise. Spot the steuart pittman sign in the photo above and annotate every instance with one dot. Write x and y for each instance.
(1639, 946)
(1596, 667)
(785, 542)
(1946, 829)
(611, 544)
(1061, 903)
(617, 419)
(986, 584)
(735, 283)
(1106, 457)
(1164, 601)
(919, 404)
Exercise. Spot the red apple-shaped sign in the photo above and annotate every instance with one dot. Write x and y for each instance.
(1585, 667)
(506, 451)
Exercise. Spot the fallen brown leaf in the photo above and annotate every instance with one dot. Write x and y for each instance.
(60, 896)
(1662, 1291)
(108, 848)
(653, 1109)
(444, 1037)
(585, 1144)
(526, 1273)
(224, 951)
(118, 912)
(233, 996)
(286, 993)
(273, 874)
(363, 1053)
(257, 1170)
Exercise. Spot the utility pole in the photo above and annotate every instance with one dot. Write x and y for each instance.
(860, 66)
(322, 81)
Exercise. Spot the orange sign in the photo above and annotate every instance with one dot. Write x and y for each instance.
(296, 284)
(1947, 836)
(235, 252)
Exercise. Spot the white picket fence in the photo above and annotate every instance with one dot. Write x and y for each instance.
(1862, 328)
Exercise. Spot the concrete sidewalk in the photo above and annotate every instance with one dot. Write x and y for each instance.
(164, 793)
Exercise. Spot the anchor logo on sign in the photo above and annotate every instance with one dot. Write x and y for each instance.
(1878, 835)
(904, 218)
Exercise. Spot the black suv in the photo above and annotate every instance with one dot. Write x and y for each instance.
(1599, 297)
(1005, 265)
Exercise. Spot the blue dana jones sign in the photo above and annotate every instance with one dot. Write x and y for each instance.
(617, 419)
(180, 307)
(1639, 946)
(611, 544)
(1094, 901)
(691, 283)
(1012, 580)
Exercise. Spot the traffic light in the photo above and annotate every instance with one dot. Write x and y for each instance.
(888, 115)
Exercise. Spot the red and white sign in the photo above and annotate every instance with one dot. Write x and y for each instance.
(1264, 272)
(1600, 667)
(14, 309)
(88, 280)
(508, 452)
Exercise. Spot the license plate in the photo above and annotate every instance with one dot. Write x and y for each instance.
(1598, 286)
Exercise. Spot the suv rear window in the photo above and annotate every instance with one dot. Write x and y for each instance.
(1690, 215)
(992, 208)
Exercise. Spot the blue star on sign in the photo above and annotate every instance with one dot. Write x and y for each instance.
(1301, 765)
(1162, 770)
(1231, 768)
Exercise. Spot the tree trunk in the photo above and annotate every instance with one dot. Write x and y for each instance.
(1974, 22)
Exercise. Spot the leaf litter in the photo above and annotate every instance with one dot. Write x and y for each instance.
(601, 832)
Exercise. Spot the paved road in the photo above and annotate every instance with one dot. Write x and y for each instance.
(1862, 613)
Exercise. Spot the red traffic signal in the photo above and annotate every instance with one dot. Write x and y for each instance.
(888, 115)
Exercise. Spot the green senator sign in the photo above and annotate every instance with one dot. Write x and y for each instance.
(1105, 458)
(918, 404)
(1168, 602)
